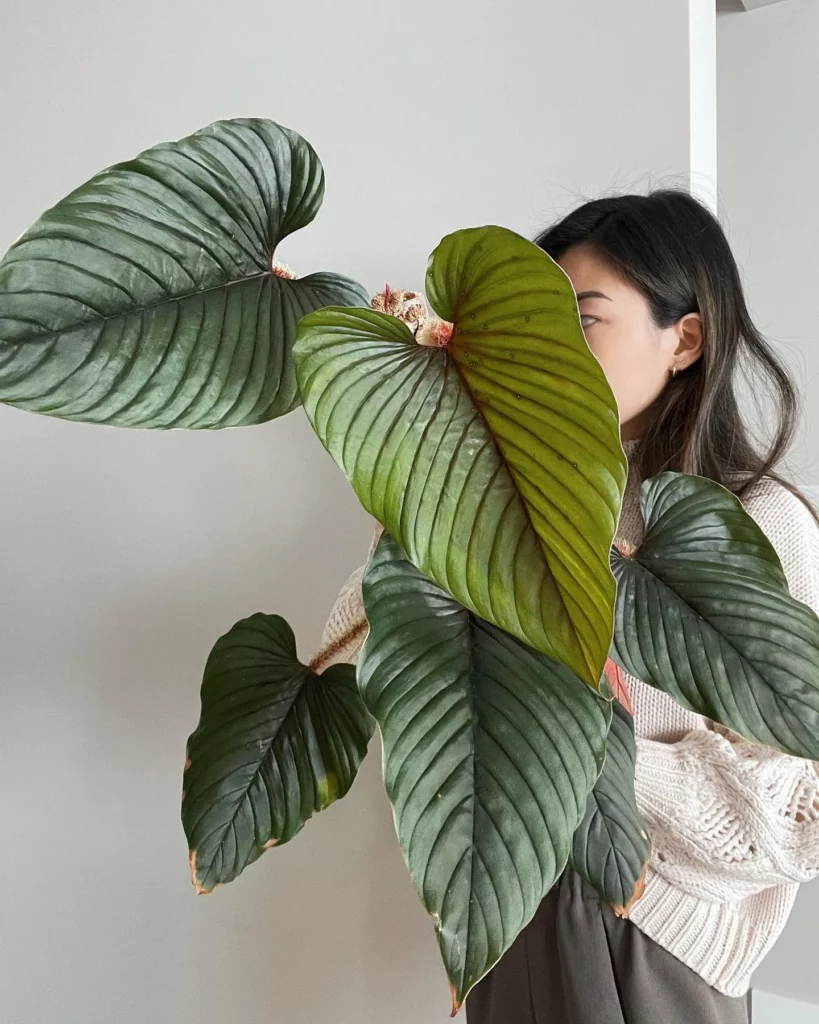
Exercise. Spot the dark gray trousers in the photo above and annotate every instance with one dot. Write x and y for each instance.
(577, 963)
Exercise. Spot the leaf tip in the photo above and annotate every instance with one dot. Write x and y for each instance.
(456, 1005)
(639, 889)
(200, 889)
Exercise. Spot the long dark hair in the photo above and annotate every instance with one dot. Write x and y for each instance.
(673, 249)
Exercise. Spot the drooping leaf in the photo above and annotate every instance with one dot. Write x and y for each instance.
(275, 743)
(490, 751)
(704, 613)
(610, 848)
(146, 297)
(496, 461)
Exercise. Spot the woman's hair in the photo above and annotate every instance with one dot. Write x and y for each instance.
(671, 248)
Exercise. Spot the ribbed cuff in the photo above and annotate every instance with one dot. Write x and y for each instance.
(710, 938)
(722, 942)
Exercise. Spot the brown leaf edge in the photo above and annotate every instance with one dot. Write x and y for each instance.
(624, 910)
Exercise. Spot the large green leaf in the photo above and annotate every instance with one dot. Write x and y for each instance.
(275, 743)
(490, 750)
(495, 461)
(704, 613)
(146, 297)
(610, 848)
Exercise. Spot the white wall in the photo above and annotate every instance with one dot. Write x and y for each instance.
(126, 553)
(702, 60)
(768, 88)
(773, 1009)
(768, 104)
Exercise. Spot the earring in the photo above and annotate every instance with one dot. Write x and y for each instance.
(673, 371)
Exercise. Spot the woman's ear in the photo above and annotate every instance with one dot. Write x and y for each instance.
(689, 341)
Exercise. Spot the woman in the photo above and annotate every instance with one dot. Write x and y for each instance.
(734, 826)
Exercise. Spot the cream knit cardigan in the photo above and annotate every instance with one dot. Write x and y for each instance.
(734, 826)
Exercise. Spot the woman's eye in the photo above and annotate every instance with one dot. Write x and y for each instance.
(586, 316)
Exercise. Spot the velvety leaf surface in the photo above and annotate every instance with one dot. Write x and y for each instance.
(496, 461)
(275, 743)
(146, 297)
(610, 848)
(704, 613)
(490, 751)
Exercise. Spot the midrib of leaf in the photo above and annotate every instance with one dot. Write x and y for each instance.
(136, 310)
(722, 640)
(507, 466)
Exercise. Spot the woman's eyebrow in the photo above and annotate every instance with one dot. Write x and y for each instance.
(593, 295)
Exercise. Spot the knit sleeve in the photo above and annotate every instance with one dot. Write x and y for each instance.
(728, 817)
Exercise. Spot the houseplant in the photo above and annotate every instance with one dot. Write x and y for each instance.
(485, 439)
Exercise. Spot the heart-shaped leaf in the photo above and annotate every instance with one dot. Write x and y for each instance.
(496, 461)
(704, 613)
(490, 751)
(275, 743)
(147, 297)
(610, 848)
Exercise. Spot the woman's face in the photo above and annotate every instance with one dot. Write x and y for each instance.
(637, 357)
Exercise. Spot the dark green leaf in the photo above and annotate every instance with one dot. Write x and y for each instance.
(490, 751)
(704, 613)
(495, 462)
(146, 297)
(610, 848)
(275, 743)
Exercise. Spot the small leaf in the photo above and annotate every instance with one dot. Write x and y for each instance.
(494, 461)
(704, 613)
(148, 297)
(610, 848)
(275, 743)
(490, 751)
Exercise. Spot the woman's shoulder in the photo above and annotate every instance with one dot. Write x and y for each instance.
(771, 502)
(789, 525)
